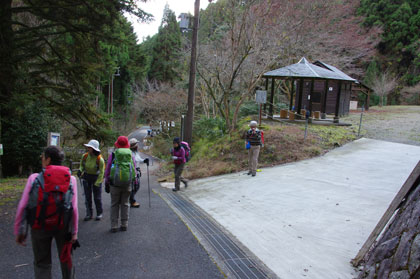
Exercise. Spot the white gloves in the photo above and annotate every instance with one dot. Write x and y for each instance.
(175, 157)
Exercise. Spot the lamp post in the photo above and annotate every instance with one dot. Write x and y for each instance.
(111, 91)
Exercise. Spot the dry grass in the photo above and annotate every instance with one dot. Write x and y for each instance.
(283, 144)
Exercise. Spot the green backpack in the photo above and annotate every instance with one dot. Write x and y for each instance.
(122, 170)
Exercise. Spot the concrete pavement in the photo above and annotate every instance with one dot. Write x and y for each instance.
(310, 218)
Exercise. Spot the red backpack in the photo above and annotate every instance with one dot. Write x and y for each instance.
(49, 205)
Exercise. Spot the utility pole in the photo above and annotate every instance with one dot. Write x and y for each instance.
(191, 86)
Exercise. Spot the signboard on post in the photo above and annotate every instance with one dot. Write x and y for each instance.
(54, 139)
(261, 96)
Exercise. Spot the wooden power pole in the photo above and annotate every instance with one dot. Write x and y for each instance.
(191, 86)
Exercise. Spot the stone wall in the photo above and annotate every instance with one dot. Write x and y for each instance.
(397, 253)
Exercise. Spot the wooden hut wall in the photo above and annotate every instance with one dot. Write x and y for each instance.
(346, 99)
(331, 96)
(316, 98)
(306, 92)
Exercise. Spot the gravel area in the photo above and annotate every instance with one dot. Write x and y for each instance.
(390, 123)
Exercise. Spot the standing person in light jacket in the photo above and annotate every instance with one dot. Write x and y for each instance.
(138, 160)
(41, 235)
(178, 155)
(91, 174)
(253, 136)
(119, 176)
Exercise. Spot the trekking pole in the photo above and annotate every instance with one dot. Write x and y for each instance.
(148, 183)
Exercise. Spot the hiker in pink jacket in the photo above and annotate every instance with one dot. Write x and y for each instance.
(41, 232)
(178, 155)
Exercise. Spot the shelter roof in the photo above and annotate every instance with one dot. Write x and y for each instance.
(304, 69)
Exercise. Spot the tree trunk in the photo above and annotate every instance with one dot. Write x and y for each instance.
(7, 65)
(191, 86)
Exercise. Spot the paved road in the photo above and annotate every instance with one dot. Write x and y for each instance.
(308, 219)
(156, 245)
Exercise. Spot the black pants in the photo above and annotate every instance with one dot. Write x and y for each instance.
(178, 175)
(89, 188)
(41, 246)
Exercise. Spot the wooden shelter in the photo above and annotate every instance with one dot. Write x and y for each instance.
(360, 87)
(315, 87)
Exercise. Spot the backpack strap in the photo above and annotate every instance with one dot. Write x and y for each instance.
(68, 207)
(84, 160)
(98, 160)
(44, 204)
(31, 207)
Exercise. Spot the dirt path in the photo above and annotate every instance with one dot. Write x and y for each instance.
(391, 123)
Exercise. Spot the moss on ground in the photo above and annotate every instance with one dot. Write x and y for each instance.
(10, 192)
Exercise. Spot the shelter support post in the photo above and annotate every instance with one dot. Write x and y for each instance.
(291, 95)
(337, 104)
(311, 95)
(270, 112)
(299, 105)
(324, 101)
(266, 89)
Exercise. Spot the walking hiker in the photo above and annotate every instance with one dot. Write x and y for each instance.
(119, 176)
(138, 160)
(179, 156)
(254, 140)
(91, 174)
(49, 206)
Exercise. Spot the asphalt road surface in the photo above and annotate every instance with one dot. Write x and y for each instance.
(156, 245)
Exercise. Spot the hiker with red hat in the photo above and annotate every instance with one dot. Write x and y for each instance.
(49, 206)
(91, 174)
(119, 176)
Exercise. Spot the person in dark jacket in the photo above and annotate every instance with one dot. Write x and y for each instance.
(253, 136)
(178, 155)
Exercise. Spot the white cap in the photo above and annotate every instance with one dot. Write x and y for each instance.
(253, 124)
(94, 144)
(133, 142)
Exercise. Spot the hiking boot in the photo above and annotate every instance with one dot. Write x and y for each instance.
(114, 230)
(186, 184)
(249, 173)
(135, 205)
(175, 189)
(99, 217)
(87, 218)
(123, 229)
(253, 174)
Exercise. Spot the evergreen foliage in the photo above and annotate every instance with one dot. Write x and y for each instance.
(24, 137)
(400, 21)
(166, 46)
(54, 55)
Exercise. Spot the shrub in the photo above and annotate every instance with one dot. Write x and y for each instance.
(248, 108)
(209, 128)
